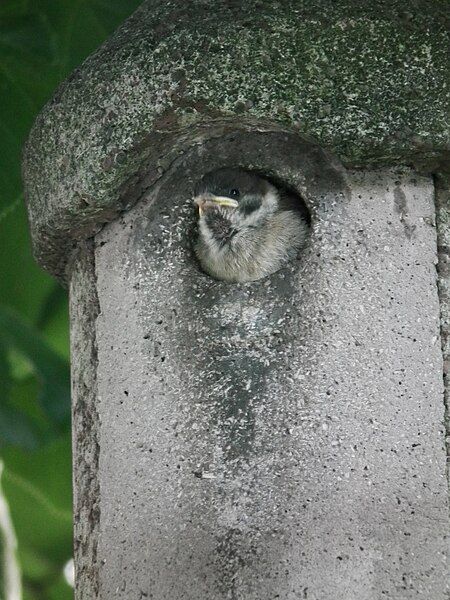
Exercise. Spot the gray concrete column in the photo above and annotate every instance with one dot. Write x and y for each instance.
(278, 439)
(285, 438)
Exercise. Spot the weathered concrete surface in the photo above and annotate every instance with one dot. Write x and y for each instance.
(277, 439)
(368, 81)
(84, 311)
(442, 185)
(280, 439)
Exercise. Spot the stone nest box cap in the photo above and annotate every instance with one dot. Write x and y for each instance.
(369, 83)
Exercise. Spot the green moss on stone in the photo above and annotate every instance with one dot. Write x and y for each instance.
(370, 83)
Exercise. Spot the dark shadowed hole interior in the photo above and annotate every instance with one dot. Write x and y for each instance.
(288, 191)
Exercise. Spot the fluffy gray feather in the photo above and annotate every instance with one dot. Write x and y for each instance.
(246, 229)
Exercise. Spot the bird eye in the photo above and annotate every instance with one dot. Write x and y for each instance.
(234, 193)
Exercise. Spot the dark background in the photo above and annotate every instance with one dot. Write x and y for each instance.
(41, 42)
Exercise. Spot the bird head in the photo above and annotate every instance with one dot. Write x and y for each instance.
(242, 198)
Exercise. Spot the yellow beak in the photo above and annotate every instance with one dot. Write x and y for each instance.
(220, 200)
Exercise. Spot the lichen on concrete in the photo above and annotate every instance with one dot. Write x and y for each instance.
(368, 82)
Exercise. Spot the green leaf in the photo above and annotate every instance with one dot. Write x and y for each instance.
(35, 567)
(55, 300)
(24, 286)
(53, 319)
(16, 427)
(52, 370)
(5, 373)
(13, 8)
(60, 590)
(38, 488)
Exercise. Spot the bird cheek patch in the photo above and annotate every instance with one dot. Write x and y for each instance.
(249, 205)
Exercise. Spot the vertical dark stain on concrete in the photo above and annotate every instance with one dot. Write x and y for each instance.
(401, 207)
(242, 329)
(234, 347)
(242, 320)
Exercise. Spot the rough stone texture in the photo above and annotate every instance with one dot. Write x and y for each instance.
(277, 439)
(280, 439)
(443, 229)
(85, 421)
(369, 81)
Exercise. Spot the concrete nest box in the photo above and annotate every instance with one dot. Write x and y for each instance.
(283, 438)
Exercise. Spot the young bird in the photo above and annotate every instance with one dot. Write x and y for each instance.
(247, 230)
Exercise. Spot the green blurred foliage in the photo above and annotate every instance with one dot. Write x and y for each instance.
(41, 42)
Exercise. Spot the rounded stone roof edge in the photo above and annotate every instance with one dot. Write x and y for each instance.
(370, 84)
(55, 242)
